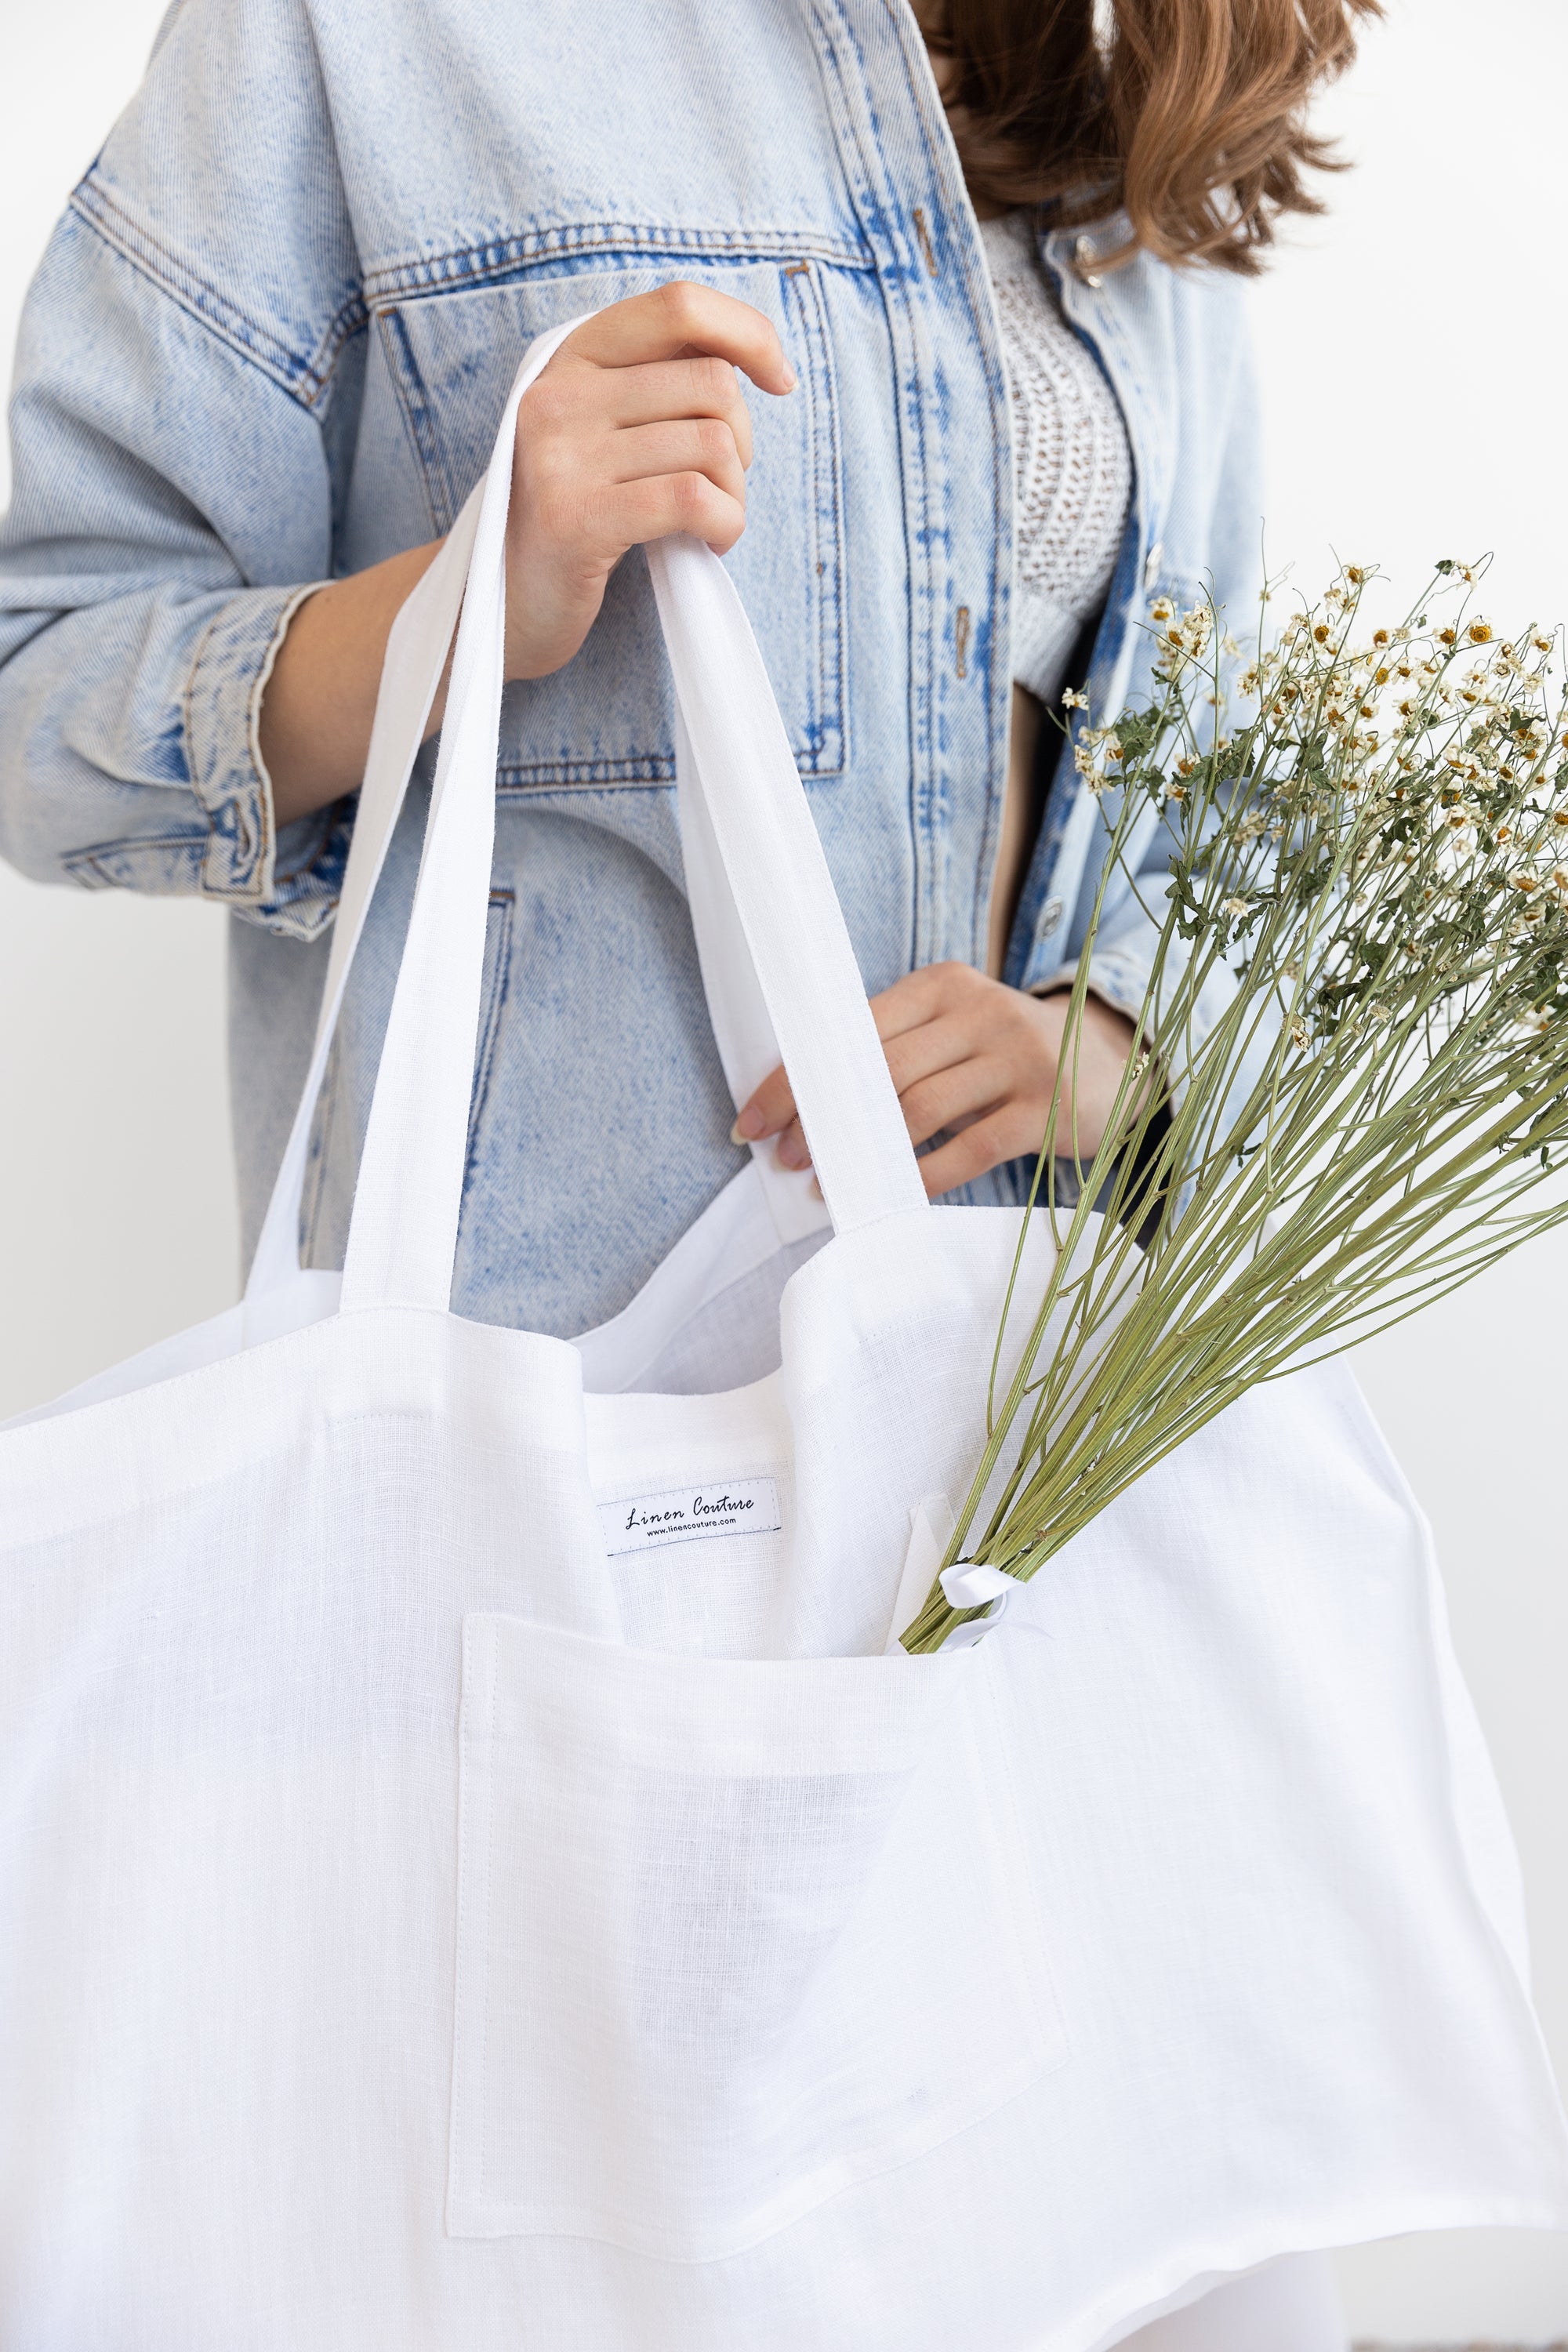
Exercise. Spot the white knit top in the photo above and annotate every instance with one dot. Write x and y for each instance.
(1072, 465)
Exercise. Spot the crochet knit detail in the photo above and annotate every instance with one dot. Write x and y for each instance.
(1072, 465)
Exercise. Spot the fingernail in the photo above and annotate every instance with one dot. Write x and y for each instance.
(793, 1155)
(748, 1127)
(791, 379)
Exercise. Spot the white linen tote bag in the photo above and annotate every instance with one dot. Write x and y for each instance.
(472, 1874)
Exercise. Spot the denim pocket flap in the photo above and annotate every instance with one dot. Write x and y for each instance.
(608, 717)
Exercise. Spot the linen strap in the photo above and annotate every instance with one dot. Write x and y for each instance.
(742, 1029)
(415, 654)
(783, 894)
(403, 1232)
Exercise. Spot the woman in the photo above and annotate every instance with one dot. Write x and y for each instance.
(993, 312)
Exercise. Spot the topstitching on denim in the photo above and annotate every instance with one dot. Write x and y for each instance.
(305, 376)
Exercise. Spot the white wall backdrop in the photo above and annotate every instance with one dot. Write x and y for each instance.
(1414, 351)
(1414, 347)
(117, 1214)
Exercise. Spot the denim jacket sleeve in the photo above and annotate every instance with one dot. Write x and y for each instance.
(182, 407)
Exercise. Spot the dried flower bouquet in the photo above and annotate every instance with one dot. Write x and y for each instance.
(1379, 851)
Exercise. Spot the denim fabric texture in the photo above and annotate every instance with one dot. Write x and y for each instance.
(267, 346)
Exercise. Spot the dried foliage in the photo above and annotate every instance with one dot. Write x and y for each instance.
(1378, 852)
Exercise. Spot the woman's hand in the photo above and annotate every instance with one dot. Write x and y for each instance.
(637, 429)
(979, 1060)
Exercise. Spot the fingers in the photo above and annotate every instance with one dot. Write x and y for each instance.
(770, 1111)
(637, 430)
(677, 388)
(936, 1071)
(793, 1152)
(975, 1062)
(588, 408)
(923, 995)
(933, 1056)
(700, 446)
(995, 1131)
(771, 1107)
(921, 1055)
(631, 514)
(680, 320)
(914, 1002)
(953, 1095)
(981, 1146)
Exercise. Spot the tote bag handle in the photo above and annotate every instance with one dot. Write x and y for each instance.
(776, 953)
(415, 656)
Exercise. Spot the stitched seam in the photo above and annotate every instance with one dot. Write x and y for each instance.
(504, 903)
(240, 887)
(431, 466)
(249, 878)
(829, 753)
(645, 771)
(866, 168)
(267, 853)
(305, 379)
(999, 688)
(584, 775)
(475, 265)
(319, 1145)
(813, 716)
(840, 641)
(463, 1941)
(350, 319)
(489, 1887)
(1016, 1895)
(186, 842)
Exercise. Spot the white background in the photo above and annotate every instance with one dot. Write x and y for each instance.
(1413, 351)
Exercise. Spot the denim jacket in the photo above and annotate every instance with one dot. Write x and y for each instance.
(268, 345)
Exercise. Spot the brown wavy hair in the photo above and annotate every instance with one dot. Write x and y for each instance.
(1188, 116)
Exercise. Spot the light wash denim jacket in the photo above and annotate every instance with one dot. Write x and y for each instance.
(270, 344)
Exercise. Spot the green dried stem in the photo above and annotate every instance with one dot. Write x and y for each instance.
(1377, 854)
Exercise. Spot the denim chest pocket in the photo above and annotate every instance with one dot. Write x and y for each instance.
(608, 717)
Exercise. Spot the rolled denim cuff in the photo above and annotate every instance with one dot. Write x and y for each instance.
(285, 881)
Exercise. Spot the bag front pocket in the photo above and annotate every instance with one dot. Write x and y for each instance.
(732, 1935)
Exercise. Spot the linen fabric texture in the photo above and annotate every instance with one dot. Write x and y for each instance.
(425, 1923)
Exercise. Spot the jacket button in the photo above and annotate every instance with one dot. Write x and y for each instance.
(1050, 918)
(1085, 254)
(1152, 564)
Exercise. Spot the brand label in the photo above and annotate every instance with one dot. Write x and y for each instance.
(732, 1506)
